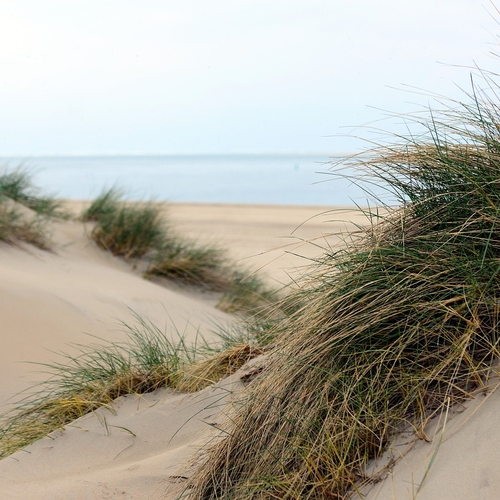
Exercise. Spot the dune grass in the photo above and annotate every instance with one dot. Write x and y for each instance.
(107, 202)
(17, 185)
(392, 328)
(190, 263)
(129, 230)
(209, 267)
(15, 228)
(216, 367)
(246, 291)
(24, 213)
(136, 230)
(99, 373)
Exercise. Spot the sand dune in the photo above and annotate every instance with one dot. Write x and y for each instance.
(51, 299)
(458, 461)
(98, 456)
(144, 447)
(48, 300)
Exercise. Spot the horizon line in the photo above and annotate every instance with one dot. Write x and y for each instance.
(326, 154)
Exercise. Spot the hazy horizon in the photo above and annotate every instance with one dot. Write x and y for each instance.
(255, 179)
(254, 153)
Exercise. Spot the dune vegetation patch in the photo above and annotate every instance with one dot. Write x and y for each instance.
(106, 202)
(393, 329)
(99, 373)
(130, 231)
(209, 267)
(17, 227)
(17, 185)
(24, 212)
(136, 230)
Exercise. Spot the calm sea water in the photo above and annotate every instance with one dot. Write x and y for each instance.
(253, 179)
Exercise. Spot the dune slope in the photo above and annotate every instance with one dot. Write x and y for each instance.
(51, 299)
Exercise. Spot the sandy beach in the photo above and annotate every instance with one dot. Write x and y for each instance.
(51, 299)
(194, 304)
(144, 448)
(77, 292)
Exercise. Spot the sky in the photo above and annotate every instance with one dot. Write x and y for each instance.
(228, 76)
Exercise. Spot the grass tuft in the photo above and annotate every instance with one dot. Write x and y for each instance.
(391, 329)
(218, 366)
(129, 230)
(209, 267)
(105, 204)
(15, 228)
(190, 263)
(136, 230)
(247, 292)
(98, 374)
(17, 185)
(23, 212)
(94, 377)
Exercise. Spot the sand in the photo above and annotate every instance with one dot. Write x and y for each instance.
(144, 449)
(459, 460)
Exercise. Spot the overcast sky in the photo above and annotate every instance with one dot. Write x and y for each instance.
(225, 76)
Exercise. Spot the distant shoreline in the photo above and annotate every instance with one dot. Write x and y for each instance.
(324, 154)
(229, 179)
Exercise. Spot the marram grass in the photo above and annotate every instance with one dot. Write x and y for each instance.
(190, 263)
(392, 328)
(216, 367)
(24, 213)
(138, 230)
(98, 374)
(15, 228)
(17, 185)
(209, 267)
(130, 230)
(107, 202)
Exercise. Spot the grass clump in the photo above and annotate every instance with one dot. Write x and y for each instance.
(392, 329)
(246, 291)
(125, 229)
(136, 230)
(98, 374)
(23, 212)
(106, 203)
(14, 227)
(218, 366)
(129, 230)
(94, 377)
(209, 267)
(190, 263)
(17, 185)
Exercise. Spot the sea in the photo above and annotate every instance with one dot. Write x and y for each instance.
(249, 179)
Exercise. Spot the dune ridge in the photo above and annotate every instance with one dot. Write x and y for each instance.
(76, 292)
(148, 445)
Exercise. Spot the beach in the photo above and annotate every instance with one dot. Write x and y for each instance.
(78, 294)
(146, 446)
(50, 299)
(235, 265)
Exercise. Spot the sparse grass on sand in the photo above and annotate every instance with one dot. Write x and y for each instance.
(17, 185)
(102, 372)
(209, 267)
(393, 328)
(134, 230)
(107, 202)
(130, 231)
(23, 212)
(126, 229)
(15, 228)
